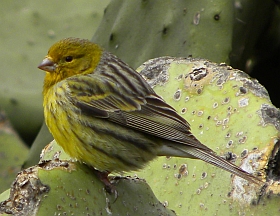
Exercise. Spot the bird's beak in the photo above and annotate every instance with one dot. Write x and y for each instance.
(47, 65)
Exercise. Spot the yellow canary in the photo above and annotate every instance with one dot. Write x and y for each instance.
(103, 113)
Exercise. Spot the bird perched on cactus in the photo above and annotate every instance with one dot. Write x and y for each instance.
(103, 113)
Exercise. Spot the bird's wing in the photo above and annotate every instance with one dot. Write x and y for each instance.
(97, 96)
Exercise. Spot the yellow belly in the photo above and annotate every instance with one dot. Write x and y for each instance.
(99, 143)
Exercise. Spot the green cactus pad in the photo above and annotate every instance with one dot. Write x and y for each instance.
(230, 113)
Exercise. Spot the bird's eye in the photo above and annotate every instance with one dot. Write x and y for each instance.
(68, 58)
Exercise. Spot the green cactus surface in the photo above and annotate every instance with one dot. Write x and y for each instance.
(140, 30)
(229, 112)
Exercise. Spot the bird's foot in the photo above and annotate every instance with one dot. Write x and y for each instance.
(109, 187)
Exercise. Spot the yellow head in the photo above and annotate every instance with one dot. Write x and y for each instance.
(69, 57)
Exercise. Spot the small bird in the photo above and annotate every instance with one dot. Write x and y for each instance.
(103, 113)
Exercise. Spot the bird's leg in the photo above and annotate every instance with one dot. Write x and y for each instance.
(103, 176)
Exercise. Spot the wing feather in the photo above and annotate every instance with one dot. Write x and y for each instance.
(149, 114)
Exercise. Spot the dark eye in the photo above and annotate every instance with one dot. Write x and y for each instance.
(68, 58)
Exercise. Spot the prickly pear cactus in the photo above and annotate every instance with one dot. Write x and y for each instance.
(232, 114)
(143, 29)
(166, 23)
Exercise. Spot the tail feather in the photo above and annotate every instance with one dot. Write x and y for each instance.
(218, 161)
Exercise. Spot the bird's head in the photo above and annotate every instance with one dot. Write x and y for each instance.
(69, 57)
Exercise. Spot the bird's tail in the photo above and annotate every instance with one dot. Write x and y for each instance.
(211, 158)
